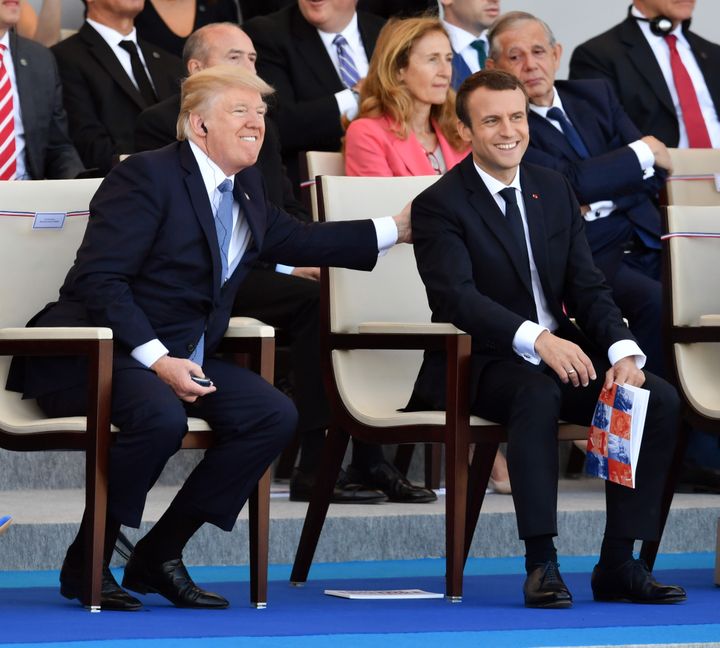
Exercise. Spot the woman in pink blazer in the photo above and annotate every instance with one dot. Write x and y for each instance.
(406, 124)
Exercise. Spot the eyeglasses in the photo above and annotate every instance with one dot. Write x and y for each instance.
(434, 162)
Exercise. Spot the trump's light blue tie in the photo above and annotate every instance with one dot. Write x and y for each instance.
(348, 72)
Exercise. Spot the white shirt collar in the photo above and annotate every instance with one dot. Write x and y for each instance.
(212, 174)
(5, 40)
(351, 33)
(111, 36)
(543, 110)
(494, 185)
(460, 39)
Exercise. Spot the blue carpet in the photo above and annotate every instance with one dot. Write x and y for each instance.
(491, 614)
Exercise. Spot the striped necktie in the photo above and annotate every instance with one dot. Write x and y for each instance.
(348, 71)
(8, 153)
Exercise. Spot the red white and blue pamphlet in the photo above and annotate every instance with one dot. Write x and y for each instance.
(616, 433)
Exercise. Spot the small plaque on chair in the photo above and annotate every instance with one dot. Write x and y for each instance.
(49, 220)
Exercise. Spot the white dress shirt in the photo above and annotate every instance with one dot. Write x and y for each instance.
(461, 42)
(662, 54)
(346, 101)
(645, 156)
(21, 170)
(524, 340)
(385, 230)
(113, 39)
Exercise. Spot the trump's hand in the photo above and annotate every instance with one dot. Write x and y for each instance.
(624, 372)
(566, 359)
(176, 372)
(402, 221)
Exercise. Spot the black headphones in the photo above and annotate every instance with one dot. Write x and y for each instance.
(660, 25)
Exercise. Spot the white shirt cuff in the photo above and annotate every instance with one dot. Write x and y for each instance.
(149, 353)
(386, 232)
(524, 341)
(624, 348)
(284, 269)
(645, 157)
(347, 104)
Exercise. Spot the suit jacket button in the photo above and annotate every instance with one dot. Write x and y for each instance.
(191, 347)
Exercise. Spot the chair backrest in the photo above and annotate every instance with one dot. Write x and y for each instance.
(393, 291)
(694, 262)
(321, 163)
(696, 177)
(35, 259)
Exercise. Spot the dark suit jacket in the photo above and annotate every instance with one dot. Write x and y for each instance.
(622, 56)
(49, 153)
(611, 173)
(102, 102)
(468, 261)
(293, 59)
(460, 70)
(149, 264)
(156, 127)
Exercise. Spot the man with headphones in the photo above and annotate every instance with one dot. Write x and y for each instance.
(665, 75)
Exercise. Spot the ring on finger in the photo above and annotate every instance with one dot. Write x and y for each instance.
(569, 371)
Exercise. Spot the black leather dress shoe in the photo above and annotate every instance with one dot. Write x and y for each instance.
(545, 588)
(391, 481)
(632, 582)
(345, 491)
(112, 596)
(171, 580)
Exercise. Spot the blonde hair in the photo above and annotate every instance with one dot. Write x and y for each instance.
(199, 91)
(383, 94)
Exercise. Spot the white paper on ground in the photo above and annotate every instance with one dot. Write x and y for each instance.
(384, 594)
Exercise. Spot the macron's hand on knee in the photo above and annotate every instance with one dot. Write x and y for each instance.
(624, 372)
(176, 373)
(566, 359)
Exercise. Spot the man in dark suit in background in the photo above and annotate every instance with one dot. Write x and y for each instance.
(501, 247)
(665, 75)
(299, 54)
(108, 78)
(579, 129)
(38, 145)
(171, 236)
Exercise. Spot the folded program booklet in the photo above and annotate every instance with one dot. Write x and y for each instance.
(616, 433)
(384, 594)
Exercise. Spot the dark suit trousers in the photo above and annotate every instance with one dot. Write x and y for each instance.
(530, 400)
(251, 422)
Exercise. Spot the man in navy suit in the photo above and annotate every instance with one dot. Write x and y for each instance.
(579, 129)
(500, 247)
(467, 22)
(172, 234)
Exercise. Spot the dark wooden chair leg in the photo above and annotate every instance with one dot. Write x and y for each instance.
(456, 484)
(650, 548)
(259, 528)
(333, 453)
(480, 469)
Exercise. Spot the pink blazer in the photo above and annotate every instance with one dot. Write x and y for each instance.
(372, 149)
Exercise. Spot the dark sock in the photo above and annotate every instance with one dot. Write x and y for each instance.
(76, 551)
(538, 550)
(167, 539)
(615, 551)
(311, 447)
(365, 455)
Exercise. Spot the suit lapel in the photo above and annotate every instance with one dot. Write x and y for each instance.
(484, 204)
(707, 66)
(582, 115)
(253, 212)
(101, 51)
(642, 57)
(541, 128)
(311, 49)
(202, 209)
(157, 69)
(460, 70)
(23, 78)
(532, 197)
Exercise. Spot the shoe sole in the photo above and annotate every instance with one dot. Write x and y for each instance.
(664, 601)
(146, 589)
(555, 605)
(72, 595)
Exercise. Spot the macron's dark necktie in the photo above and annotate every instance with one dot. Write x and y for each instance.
(138, 69)
(514, 219)
(570, 132)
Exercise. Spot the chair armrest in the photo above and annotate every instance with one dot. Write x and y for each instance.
(248, 327)
(48, 333)
(428, 328)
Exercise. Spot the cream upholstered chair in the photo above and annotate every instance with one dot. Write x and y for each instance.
(35, 259)
(319, 163)
(695, 179)
(692, 251)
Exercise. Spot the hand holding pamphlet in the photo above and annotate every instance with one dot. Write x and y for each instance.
(616, 434)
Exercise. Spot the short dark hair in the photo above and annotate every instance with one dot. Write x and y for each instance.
(492, 80)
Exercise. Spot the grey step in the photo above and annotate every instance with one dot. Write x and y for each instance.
(45, 522)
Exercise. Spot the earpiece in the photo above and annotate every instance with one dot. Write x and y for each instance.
(204, 128)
